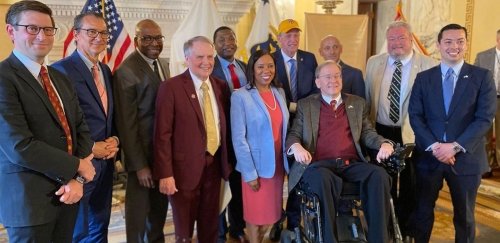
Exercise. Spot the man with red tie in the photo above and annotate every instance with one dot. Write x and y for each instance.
(92, 80)
(190, 142)
(233, 71)
(45, 145)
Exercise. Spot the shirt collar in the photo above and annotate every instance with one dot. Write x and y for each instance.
(286, 58)
(456, 68)
(404, 61)
(329, 99)
(32, 66)
(225, 63)
(87, 62)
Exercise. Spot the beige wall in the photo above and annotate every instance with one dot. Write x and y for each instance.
(5, 42)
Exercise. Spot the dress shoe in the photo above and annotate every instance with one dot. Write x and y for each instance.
(488, 174)
(239, 238)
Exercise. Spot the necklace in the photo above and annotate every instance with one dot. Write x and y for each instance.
(268, 106)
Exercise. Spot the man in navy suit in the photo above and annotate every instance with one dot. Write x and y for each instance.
(451, 108)
(45, 145)
(92, 81)
(295, 70)
(330, 48)
(231, 70)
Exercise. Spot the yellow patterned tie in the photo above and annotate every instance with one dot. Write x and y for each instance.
(212, 143)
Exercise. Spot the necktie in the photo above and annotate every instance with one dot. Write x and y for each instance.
(54, 100)
(100, 88)
(333, 103)
(156, 69)
(394, 93)
(448, 88)
(293, 79)
(234, 77)
(212, 143)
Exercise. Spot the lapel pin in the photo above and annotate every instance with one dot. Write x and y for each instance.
(301, 59)
(466, 76)
(350, 107)
(193, 96)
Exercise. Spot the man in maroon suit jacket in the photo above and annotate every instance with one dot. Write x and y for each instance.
(189, 170)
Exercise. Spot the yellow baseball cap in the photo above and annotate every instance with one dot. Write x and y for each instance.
(287, 25)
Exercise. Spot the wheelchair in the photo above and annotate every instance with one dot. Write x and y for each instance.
(351, 228)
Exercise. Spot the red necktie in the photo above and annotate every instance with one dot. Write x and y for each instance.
(54, 100)
(333, 103)
(100, 88)
(234, 77)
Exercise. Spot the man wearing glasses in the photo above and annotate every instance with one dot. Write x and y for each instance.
(45, 145)
(135, 85)
(92, 81)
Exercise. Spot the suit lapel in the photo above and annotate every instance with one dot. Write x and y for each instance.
(24, 74)
(283, 78)
(352, 117)
(436, 85)
(377, 80)
(315, 107)
(415, 67)
(462, 83)
(192, 95)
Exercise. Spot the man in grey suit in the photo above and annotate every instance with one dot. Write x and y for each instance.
(325, 140)
(490, 59)
(45, 146)
(388, 89)
(136, 83)
(330, 48)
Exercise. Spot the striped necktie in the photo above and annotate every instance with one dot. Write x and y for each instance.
(395, 92)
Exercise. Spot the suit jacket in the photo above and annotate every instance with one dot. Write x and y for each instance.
(469, 117)
(375, 69)
(219, 73)
(306, 66)
(180, 136)
(252, 133)
(486, 59)
(306, 124)
(135, 86)
(352, 80)
(34, 161)
(100, 125)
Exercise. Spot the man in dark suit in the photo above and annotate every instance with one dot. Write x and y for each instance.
(330, 48)
(490, 59)
(295, 70)
(45, 145)
(136, 83)
(92, 81)
(231, 70)
(190, 142)
(331, 126)
(451, 108)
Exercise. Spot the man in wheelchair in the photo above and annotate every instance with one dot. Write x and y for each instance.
(325, 141)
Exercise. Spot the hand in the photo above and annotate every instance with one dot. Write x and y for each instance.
(255, 185)
(145, 178)
(99, 150)
(167, 186)
(444, 152)
(112, 147)
(71, 192)
(385, 151)
(86, 169)
(301, 155)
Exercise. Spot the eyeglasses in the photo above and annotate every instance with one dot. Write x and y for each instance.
(147, 39)
(331, 77)
(94, 33)
(34, 30)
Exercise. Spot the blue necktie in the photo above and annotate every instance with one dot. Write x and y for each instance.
(448, 88)
(293, 79)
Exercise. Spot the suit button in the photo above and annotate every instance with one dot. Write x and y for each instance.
(63, 137)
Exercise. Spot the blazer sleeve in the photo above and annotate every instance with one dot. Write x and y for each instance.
(239, 128)
(163, 131)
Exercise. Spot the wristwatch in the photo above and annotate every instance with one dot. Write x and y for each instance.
(457, 148)
(80, 179)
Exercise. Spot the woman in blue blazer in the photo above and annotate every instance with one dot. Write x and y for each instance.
(259, 120)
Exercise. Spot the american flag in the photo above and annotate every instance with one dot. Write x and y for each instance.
(119, 44)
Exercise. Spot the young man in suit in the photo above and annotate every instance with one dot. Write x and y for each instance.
(490, 59)
(92, 81)
(341, 120)
(330, 48)
(190, 142)
(231, 70)
(295, 70)
(45, 145)
(388, 106)
(135, 85)
(451, 108)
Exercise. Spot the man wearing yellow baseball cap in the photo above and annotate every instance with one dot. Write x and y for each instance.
(295, 70)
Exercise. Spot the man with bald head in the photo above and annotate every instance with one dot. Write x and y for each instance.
(330, 48)
(136, 82)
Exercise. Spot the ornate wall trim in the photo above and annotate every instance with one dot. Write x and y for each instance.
(469, 23)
